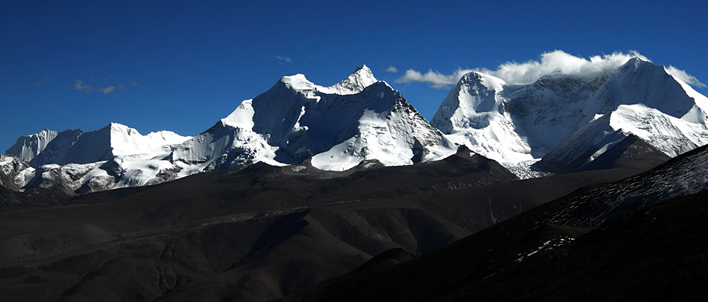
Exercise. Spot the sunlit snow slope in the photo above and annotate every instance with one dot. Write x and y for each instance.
(113, 156)
(338, 127)
(564, 118)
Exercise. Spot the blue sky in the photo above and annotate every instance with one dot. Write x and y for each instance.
(182, 65)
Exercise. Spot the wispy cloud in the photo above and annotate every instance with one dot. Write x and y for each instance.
(107, 90)
(111, 89)
(41, 82)
(83, 87)
(551, 62)
(282, 59)
(87, 88)
(436, 79)
(391, 69)
(684, 76)
(561, 62)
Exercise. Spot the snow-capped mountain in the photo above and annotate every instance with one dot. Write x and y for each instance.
(30, 146)
(560, 123)
(113, 156)
(473, 115)
(14, 172)
(338, 127)
(560, 118)
(78, 147)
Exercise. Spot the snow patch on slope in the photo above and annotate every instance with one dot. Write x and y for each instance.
(682, 176)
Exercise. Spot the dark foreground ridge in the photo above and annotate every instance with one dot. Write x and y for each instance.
(259, 233)
(613, 242)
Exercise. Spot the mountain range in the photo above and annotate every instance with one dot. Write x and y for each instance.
(560, 123)
(576, 186)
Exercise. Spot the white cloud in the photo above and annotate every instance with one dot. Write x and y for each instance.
(684, 76)
(438, 80)
(561, 62)
(550, 62)
(282, 59)
(80, 86)
(391, 69)
(108, 89)
(41, 82)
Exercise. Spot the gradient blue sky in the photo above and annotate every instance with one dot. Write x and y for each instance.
(183, 65)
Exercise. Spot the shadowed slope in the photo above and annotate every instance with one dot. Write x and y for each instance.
(630, 240)
(258, 233)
